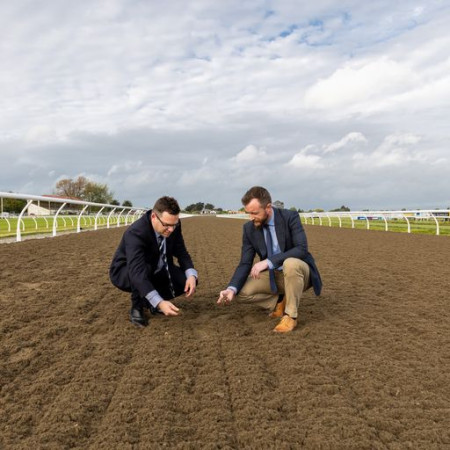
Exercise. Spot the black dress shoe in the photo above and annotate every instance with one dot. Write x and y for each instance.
(137, 317)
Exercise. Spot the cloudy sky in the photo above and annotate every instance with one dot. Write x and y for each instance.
(325, 103)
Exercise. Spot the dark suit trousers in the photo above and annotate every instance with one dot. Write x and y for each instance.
(161, 283)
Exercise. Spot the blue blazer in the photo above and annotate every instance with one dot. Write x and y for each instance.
(293, 244)
(136, 258)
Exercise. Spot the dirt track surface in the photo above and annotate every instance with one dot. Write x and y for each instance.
(368, 367)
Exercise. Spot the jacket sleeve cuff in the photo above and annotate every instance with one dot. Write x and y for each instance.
(191, 272)
(154, 298)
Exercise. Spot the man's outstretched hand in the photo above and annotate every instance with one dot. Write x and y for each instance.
(168, 308)
(190, 286)
(225, 297)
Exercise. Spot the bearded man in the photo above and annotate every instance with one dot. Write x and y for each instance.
(286, 268)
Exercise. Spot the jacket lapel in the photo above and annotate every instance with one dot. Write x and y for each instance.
(280, 230)
(150, 232)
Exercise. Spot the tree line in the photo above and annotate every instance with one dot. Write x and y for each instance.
(84, 189)
(200, 206)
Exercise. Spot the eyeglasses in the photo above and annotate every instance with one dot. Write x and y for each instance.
(167, 225)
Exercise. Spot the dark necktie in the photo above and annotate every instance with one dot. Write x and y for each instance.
(269, 245)
(164, 261)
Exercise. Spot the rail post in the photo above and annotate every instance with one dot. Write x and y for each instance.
(19, 220)
(109, 216)
(79, 218)
(96, 217)
(55, 219)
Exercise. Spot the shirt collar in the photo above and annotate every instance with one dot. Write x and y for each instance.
(271, 221)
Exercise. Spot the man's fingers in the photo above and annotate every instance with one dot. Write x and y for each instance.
(222, 299)
(225, 297)
(173, 311)
(169, 309)
(189, 289)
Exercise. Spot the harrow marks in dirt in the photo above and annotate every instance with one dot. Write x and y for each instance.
(366, 368)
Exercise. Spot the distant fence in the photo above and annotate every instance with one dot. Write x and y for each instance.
(432, 221)
(56, 214)
(233, 216)
(423, 221)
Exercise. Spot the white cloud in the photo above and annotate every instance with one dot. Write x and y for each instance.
(305, 160)
(38, 134)
(251, 154)
(125, 167)
(150, 100)
(398, 150)
(198, 176)
(353, 139)
(361, 87)
(395, 150)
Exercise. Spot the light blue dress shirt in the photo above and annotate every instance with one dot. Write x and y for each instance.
(275, 246)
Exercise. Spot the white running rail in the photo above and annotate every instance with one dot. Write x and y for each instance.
(434, 215)
(114, 214)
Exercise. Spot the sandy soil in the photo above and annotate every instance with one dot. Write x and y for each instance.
(368, 367)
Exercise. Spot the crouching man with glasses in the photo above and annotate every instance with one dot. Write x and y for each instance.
(143, 263)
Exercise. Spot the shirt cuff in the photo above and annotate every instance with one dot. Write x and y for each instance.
(270, 264)
(232, 288)
(190, 272)
(154, 298)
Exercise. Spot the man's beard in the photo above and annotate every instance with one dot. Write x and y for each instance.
(262, 223)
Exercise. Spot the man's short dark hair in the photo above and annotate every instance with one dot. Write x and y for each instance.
(259, 193)
(167, 204)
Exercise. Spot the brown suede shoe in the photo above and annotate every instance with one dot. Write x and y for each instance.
(286, 324)
(279, 309)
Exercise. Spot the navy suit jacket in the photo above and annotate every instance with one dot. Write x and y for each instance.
(136, 259)
(291, 239)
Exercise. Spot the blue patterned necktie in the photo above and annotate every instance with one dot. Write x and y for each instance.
(269, 245)
(164, 261)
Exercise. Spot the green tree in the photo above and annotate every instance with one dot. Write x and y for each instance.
(209, 206)
(84, 189)
(97, 193)
(127, 203)
(13, 205)
(71, 188)
(195, 207)
(342, 208)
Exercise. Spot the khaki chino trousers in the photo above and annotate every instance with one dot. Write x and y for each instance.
(292, 281)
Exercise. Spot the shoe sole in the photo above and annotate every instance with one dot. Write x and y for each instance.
(283, 331)
(138, 324)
